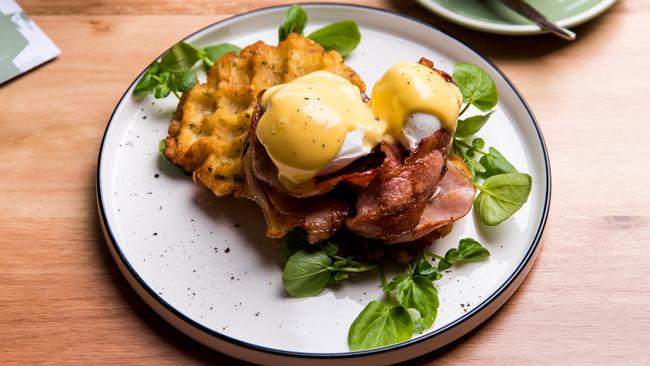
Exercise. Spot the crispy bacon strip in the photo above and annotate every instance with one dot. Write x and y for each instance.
(452, 201)
(320, 216)
(393, 203)
(428, 63)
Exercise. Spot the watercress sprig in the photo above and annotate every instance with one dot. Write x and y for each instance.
(342, 36)
(412, 300)
(172, 73)
(380, 324)
(161, 83)
(414, 290)
(309, 268)
(504, 190)
(491, 163)
(469, 250)
(476, 86)
(501, 196)
(295, 20)
(183, 56)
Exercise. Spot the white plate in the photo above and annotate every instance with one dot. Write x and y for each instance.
(204, 264)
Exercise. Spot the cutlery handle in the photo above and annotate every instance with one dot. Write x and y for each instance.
(538, 18)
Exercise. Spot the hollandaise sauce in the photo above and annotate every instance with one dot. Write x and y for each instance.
(306, 121)
(408, 88)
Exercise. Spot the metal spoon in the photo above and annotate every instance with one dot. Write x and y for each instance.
(525, 9)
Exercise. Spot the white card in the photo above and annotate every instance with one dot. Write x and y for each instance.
(23, 45)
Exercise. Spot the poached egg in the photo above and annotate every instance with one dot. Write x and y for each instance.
(317, 124)
(415, 102)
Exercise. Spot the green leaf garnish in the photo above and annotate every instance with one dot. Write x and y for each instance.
(396, 282)
(425, 269)
(336, 277)
(504, 190)
(172, 74)
(414, 290)
(379, 325)
(475, 167)
(495, 163)
(469, 126)
(292, 243)
(417, 292)
(501, 196)
(147, 81)
(179, 58)
(161, 147)
(469, 250)
(306, 273)
(343, 37)
(295, 20)
(476, 86)
(212, 54)
(309, 268)
(182, 81)
(330, 248)
(414, 294)
(161, 83)
(161, 90)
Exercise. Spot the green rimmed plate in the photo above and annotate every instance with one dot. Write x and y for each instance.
(494, 17)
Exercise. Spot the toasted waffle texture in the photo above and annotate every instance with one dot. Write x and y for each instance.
(210, 126)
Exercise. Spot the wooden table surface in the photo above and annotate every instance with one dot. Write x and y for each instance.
(586, 300)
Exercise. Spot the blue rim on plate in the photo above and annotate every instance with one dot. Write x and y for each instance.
(497, 293)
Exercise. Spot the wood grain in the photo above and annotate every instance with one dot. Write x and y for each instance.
(586, 301)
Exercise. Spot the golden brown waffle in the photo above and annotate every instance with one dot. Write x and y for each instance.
(210, 126)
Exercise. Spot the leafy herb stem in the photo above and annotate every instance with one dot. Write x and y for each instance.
(434, 255)
(464, 109)
(382, 275)
(466, 145)
(160, 80)
(349, 269)
(351, 262)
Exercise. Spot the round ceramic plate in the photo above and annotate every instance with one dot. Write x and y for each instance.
(204, 264)
(494, 17)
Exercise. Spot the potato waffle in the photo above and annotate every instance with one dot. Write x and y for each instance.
(210, 126)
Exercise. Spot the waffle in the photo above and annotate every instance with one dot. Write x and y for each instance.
(210, 126)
